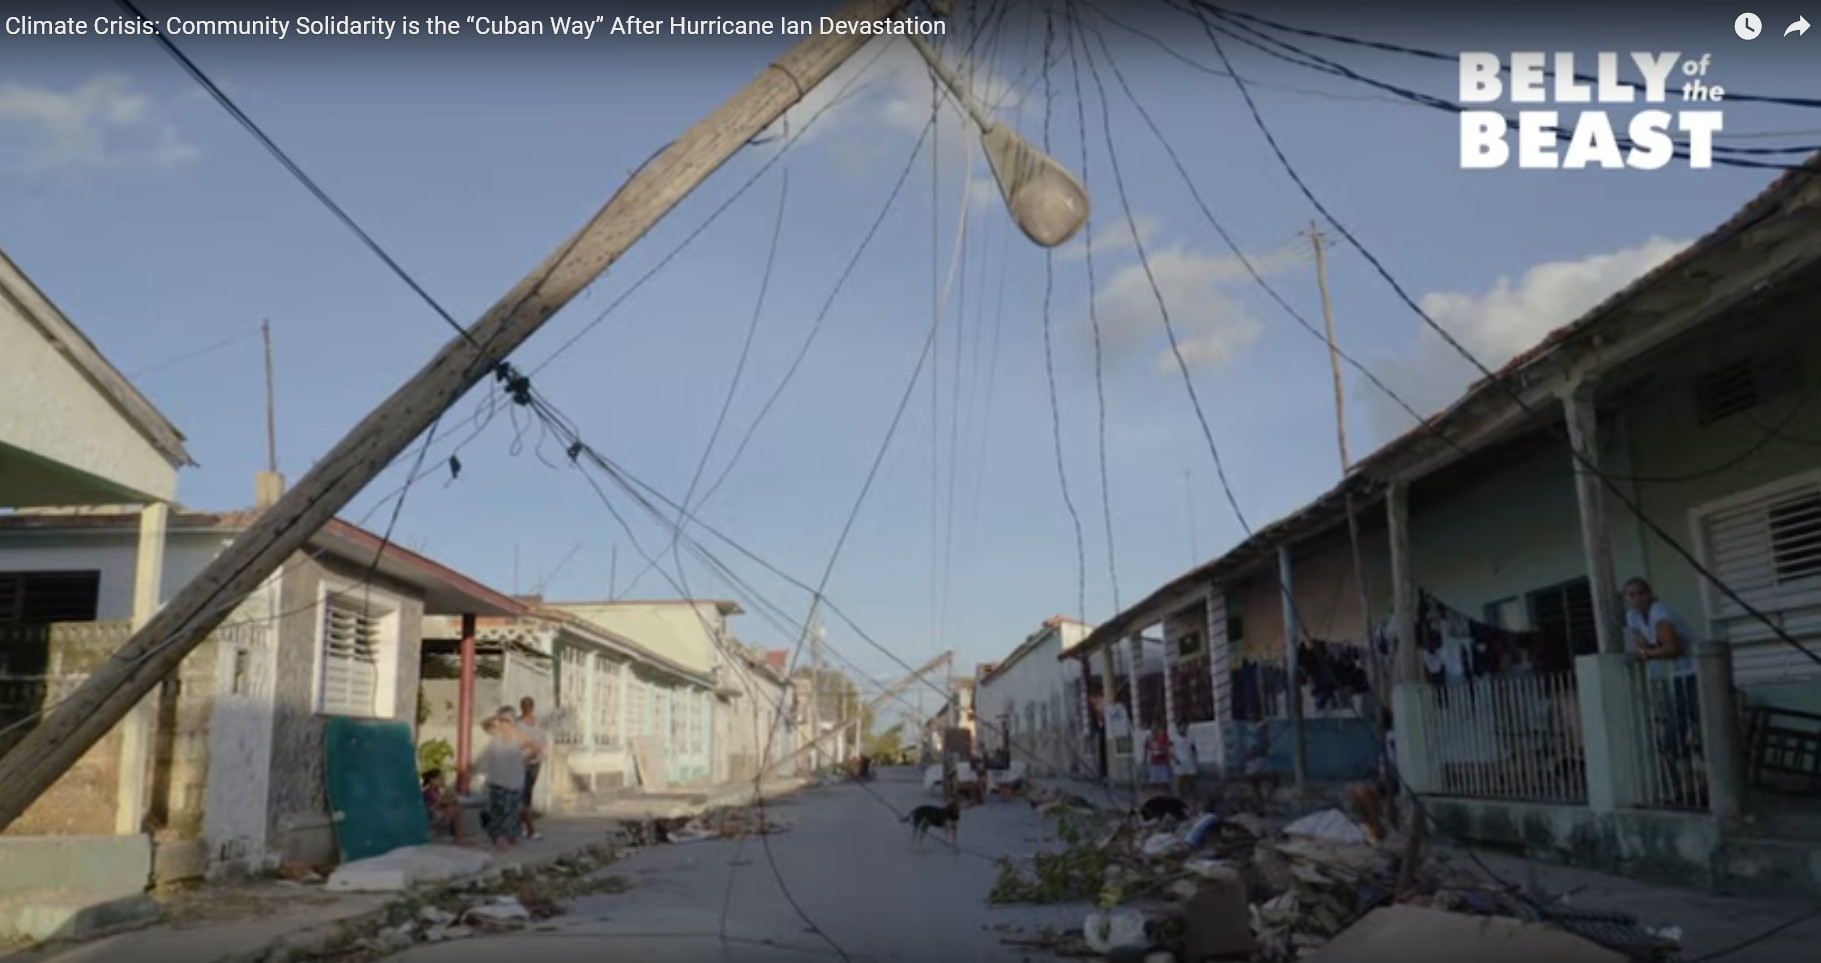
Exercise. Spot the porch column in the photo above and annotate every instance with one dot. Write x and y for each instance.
(1299, 746)
(1596, 535)
(1220, 670)
(464, 705)
(136, 731)
(625, 684)
(1720, 749)
(1169, 690)
(1408, 719)
(590, 698)
(1109, 697)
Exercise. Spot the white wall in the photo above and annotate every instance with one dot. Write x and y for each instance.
(49, 407)
(112, 554)
(1034, 689)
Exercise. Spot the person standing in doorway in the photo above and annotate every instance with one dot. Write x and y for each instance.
(1666, 647)
(537, 746)
(1157, 754)
(1183, 762)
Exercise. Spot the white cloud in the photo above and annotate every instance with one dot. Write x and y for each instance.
(1212, 323)
(1496, 326)
(102, 124)
(1114, 238)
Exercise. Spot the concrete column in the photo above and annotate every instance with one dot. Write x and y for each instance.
(1293, 695)
(1140, 725)
(1109, 697)
(590, 699)
(464, 704)
(1405, 598)
(1610, 736)
(1721, 751)
(1220, 667)
(1170, 710)
(625, 685)
(136, 730)
(1417, 766)
(1596, 535)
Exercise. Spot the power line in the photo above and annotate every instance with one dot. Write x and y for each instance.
(1049, 351)
(1264, 43)
(1583, 460)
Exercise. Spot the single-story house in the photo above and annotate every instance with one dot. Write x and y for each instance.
(74, 431)
(236, 773)
(1030, 707)
(1477, 566)
(605, 697)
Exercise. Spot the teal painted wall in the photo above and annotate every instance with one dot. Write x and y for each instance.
(1684, 465)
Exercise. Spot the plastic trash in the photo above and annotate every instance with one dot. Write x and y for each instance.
(1119, 929)
(1161, 844)
(1203, 828)
(1208, 868)
(1329, 824)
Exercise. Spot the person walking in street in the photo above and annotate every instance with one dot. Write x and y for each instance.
(537, 746)
(1183, 763)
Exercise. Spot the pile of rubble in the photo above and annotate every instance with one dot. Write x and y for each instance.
(1236, 889)
(731, 822)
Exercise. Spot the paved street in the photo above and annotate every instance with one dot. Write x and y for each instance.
(845, 860)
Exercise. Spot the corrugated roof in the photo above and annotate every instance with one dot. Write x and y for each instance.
(1328, 510)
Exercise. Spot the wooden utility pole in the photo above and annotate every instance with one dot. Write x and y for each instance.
(891, 692)
(1327, 317)
(156, 649)
(269, 486)
(265, 334)
(815, 696)
(1376, 675)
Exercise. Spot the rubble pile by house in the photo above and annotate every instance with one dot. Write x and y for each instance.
(1235, 889)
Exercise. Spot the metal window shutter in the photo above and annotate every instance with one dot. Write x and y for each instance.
(1767, 550)
(350, 661)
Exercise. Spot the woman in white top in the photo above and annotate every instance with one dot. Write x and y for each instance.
(1665, 645)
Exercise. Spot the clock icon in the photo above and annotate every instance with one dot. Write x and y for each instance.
(1748, 26)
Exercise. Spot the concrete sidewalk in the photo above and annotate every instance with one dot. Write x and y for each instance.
(269, 921)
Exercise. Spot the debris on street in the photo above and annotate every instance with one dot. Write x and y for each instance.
(1235, 888)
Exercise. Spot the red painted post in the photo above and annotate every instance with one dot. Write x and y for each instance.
(464, 707)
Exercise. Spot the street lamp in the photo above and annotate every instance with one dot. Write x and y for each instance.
(1047, 202)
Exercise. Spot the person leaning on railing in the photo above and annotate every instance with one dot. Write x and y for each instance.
(1666, 647)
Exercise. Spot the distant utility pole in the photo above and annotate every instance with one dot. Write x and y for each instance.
(1327, 317)
(815, 695)
(1375, 677)
(158, 647)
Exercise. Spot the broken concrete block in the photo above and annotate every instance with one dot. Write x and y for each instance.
(1217, 922)
(1114, 929)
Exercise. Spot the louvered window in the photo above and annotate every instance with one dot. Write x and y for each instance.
(1766, 547)
(1563, 614)
(352, 642)
(1740, 385)
(1795, 537)
(607, 675)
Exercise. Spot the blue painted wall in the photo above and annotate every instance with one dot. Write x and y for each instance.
(1339, 750)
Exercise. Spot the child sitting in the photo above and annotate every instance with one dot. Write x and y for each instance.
(441, 805)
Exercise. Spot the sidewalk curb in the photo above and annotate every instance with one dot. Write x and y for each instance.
(328, 937)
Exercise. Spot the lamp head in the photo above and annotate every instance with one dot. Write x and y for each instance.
(1048, 204)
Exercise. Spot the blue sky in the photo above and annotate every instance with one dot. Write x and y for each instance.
(163, 229)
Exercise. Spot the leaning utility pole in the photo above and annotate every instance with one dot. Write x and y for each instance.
(1375, 677)
(156, 650)
(815, 696)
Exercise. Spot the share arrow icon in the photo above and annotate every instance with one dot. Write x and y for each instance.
(1798, 28)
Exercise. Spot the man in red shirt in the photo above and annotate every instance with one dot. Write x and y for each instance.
(1157, 754)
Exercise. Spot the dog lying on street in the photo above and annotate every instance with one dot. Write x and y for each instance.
(925, 818)
(1161, 807)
